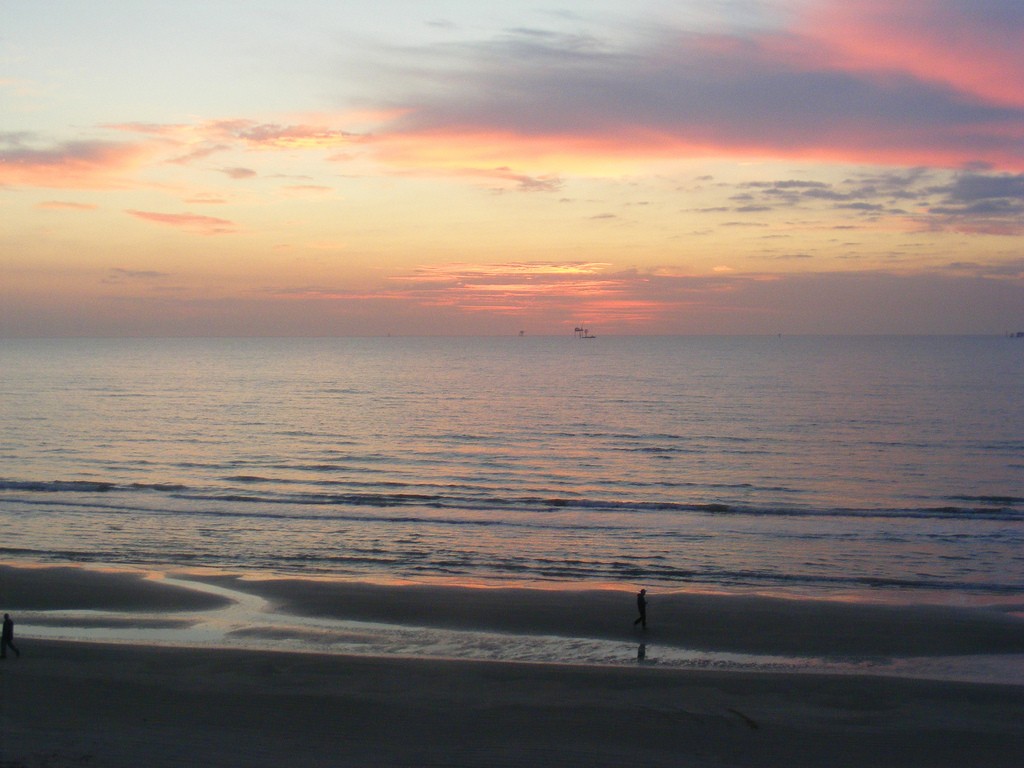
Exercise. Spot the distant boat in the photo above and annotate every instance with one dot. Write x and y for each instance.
(582, 333)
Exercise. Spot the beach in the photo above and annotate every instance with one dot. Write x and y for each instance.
(129, 703)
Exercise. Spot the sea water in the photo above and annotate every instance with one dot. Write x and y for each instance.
(840, 467)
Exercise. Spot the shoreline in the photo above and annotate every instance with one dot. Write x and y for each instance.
(575, 626)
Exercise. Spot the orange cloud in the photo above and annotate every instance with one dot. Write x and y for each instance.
(61, 205)
(204, 225)
(275, 136)
(516, 288)
(560, 294)
(199, 141)
(462, 271)
(859, 139)
(495, 154)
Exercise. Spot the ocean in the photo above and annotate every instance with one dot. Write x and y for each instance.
(851, 468)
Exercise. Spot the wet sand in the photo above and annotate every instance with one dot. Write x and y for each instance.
(709, 622)
(79, 703)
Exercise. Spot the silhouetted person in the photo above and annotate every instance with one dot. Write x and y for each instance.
(641, 605)
(641, 653)
(7, 639)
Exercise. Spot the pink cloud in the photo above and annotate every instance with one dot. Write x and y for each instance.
(239, 173)
(663, 301)
(846, 82)
(204, 225)
(973, 45)
(71, 165)
(514, 288)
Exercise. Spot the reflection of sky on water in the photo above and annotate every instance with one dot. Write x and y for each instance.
(253, 623)
(819, 467)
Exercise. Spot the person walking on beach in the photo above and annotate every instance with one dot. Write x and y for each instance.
(641, 604)
(7, 638)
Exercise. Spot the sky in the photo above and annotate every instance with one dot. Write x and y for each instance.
(315, 168)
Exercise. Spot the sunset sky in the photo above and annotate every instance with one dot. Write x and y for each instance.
(304, 167)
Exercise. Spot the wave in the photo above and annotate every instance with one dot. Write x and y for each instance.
(84, 486)
(57, 486)
(249, 495)
(1005, 500)
(357, 561)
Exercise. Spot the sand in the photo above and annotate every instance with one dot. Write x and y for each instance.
(94, 704)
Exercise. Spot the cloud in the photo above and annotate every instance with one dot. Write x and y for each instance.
(504, 178)
(276, 136)
(206, 198)
(1012, 269)
(195, 142)
(119, 275)
(973, 46)
(982, 204)
(511, 288)
(518, 270)
(535, 183)
(570, 290)
(247, 131)
(532, 100)
(551, 297)
(965, 298)
(63, 205)
(68, 165)
(203, 225)
(238, 173)
(308, 189)
(973, 187)
(970, 203)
